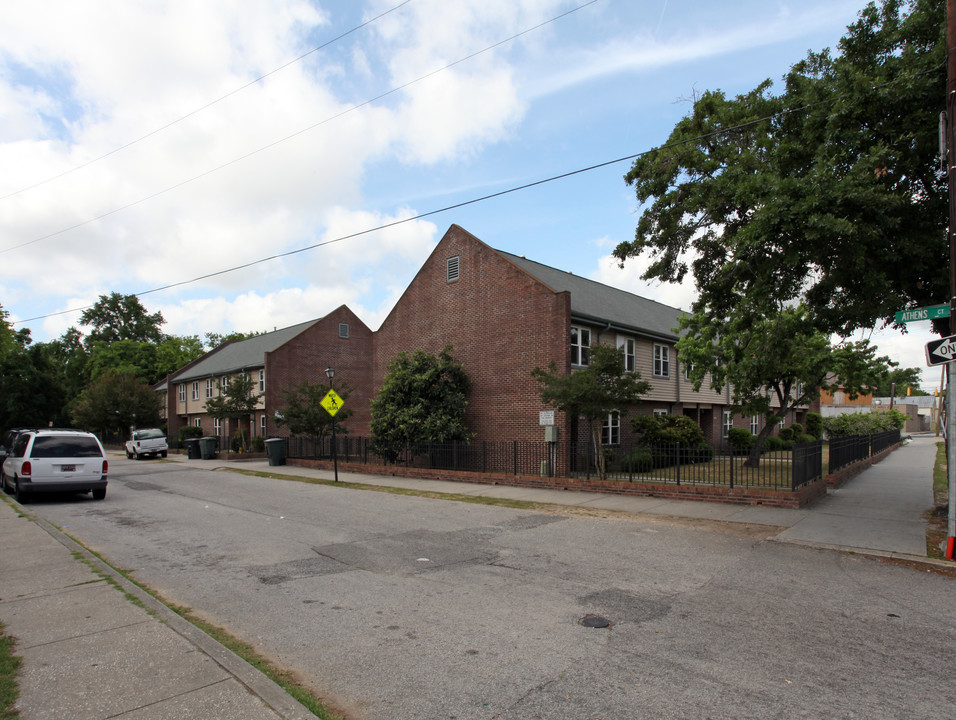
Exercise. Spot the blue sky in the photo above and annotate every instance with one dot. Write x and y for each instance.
(322, 148)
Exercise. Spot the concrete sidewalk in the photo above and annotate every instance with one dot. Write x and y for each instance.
(89, 652)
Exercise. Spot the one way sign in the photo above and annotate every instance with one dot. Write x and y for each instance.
(941, 351)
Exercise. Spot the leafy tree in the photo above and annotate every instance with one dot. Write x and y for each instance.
(116, 401)
(829, 193)
(770, 356)
(214, 339)
(303, 413)
(237, 402)
(126, 357)
(900, 381)
(174, 352)
(603, 387)
(71, 359)
(31, 391)
(422, 400)
(121, 317)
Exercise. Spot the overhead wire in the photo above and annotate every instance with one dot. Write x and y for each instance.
(208, 105)
(273, 144)
(483, 198)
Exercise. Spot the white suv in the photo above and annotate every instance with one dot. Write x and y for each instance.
(49, 460)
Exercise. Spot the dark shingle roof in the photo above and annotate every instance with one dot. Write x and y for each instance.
(602, 304)
(243, 354)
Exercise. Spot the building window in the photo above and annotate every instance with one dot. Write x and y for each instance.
(580, 346)
(662, 361)
(755, 425)
(262, 378)
(217, 426)
(182, 392)
(728, 422)
(626, 345)
(611, 429)
(343, 330)
(262, 424)
(197, 421)
(453, 269)
(209, 387)
(688, 369)
(223, 384)
(195, 392)
(660, 413)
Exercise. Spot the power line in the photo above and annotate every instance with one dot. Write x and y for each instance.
(297, 133)
(208, 105)
(429, 213)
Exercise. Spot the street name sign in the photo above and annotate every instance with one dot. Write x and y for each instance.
(927, 313)
(332, 402)
(941, 351)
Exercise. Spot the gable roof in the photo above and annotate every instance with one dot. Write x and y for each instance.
(600, 304)
(241, 354)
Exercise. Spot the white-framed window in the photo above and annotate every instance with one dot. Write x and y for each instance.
(197, 421)
(210, 385)
(217, 426)
(611, 429)
(662, 361)
(223, 384)
(658, 412)
(182, 392)
(755, 425)
(262, 378)
(580, 346)
(688, 369)
(262, 424)
(195, 392)
(626, 345)
(728, 422)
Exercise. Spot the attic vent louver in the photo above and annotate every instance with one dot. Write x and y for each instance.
(453, 266)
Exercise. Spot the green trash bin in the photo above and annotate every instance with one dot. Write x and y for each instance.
(207, 446)
(275, 451)
(192, 448)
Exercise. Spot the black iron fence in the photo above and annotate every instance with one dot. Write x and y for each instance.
(853, 448)
(671, 464)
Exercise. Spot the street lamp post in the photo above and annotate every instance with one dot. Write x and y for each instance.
(330, 373)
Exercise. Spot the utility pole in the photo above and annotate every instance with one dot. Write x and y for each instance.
(951, 174)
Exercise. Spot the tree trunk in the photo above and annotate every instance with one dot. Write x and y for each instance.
(600, 464)
(753, 460)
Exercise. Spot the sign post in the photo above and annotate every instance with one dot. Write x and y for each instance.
(943, 352)
(332, 404)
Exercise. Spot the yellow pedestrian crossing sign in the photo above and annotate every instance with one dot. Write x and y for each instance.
(332, 402)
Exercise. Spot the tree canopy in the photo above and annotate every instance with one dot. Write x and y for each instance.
(121, 317)
(422, 400)
(236, 401)
(116, 401)
(830, 193)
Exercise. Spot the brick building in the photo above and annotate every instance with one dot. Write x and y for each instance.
(504, 315)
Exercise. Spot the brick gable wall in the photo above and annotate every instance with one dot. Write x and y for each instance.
(306, 356)
(501, 322)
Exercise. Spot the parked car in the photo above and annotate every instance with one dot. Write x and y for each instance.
(55, 460)
(147, 441)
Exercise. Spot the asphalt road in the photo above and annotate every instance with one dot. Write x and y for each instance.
(397, 607)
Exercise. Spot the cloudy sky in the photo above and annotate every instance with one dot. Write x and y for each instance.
(153, 144)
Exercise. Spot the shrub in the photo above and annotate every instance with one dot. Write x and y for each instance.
(797, 429)
(258, 444)
(804, 439)
(235, 443)
(786, 435)
(189, 431)
(863, 423)
(815, 425)
(773, 443)
(638, 461)
(668, 430)
(740, 439)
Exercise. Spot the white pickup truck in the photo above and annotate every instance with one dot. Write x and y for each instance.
(148, 441)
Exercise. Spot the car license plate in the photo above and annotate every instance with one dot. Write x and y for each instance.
(68, 468)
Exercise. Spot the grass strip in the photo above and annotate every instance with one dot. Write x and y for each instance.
(936, 517)
(457, 497)
(9, 667)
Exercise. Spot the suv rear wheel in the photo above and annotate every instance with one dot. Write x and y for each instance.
(99, 494)
(18, 492)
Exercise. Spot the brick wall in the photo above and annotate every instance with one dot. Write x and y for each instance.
(501, 322)
(306, 357)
